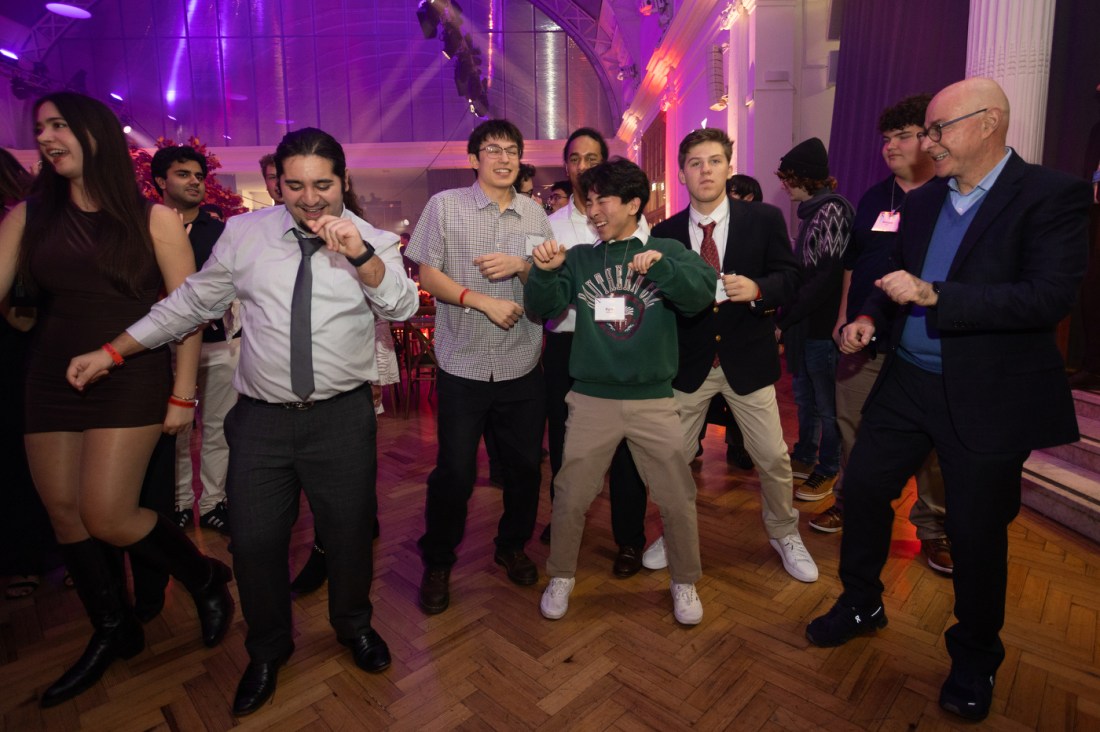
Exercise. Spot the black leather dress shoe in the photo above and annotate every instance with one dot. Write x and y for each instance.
(214, 604)
(521, 570)
(257, 685)
(627, 562)
(435, 592)
(370, 652)
(967, 695)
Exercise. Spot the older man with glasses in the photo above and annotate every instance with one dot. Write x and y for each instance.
(990, 262)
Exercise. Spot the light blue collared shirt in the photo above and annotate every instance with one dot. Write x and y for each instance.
(963, 202)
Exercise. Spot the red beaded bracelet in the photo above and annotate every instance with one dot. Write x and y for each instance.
(115, 355)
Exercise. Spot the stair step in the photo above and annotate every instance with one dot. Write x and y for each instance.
(1063, 492)
(1087, 403)
(1084, 453)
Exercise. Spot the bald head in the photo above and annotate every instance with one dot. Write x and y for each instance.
(971, 119)
(977, 93)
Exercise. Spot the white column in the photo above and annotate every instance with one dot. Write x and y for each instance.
(1009, 41)
(761, 112)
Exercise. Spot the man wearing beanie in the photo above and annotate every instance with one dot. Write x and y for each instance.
(807, 322)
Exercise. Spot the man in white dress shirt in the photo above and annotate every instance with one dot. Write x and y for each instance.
(305, 418)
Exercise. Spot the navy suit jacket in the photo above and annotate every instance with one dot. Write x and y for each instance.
(1014, 278)
(757, 246)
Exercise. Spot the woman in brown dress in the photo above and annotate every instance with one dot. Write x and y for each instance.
(99, 255)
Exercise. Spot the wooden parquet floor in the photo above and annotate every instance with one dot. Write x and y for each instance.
(617, 661)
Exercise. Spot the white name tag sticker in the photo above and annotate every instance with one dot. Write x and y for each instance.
(533, 240)
(887, 221)
(720, 293)
(610, 309)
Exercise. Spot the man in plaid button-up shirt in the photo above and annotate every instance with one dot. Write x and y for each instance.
(473, 246)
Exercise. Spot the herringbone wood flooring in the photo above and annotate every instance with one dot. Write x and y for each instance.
(618, 660)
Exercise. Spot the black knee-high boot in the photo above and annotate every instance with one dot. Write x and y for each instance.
(97, 571)
(204, 577)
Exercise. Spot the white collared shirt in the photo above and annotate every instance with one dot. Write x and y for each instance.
(256, 260)
(721, 217)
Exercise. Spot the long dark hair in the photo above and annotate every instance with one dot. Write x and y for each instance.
(15, 181)
(125, 243)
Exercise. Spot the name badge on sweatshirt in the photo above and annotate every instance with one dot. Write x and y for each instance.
(887, 221)
(610, 309)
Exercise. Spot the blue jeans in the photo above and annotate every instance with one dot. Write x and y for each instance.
(814, 385)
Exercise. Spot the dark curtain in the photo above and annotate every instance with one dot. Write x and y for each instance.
(1072, 138)
(888, 51)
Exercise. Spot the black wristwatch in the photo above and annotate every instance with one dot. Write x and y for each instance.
(363, 258)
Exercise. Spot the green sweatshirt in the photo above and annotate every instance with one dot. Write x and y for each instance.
(634, 358)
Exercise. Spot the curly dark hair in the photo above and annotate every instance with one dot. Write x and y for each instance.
(620, 178)
(909, 111)
(809, 184)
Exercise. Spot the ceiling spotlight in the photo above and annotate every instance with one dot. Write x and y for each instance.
(10, 55)
(428, 15)
(68, 11)
(116, 96)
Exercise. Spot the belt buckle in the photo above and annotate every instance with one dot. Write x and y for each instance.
(300, 406)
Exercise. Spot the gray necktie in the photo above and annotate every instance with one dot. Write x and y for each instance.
(301, 329)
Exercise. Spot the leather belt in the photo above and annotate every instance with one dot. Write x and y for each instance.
(302, 406)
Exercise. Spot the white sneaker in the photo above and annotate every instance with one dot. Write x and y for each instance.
(555, 598)
(796, 558)
(655, 557)
(686, 605)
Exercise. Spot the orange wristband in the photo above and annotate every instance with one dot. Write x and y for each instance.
(462, 298)
(181, 402)
(115, 355)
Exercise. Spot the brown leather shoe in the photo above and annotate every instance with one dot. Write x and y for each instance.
(521, 570)
(627, 562)
(937, 552)
(435, 592)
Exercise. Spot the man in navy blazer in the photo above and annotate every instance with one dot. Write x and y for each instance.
(988, 264)
(730, 347)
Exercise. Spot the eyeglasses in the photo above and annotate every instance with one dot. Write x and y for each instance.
(935, 132)
(496, 151)
(558, 197)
